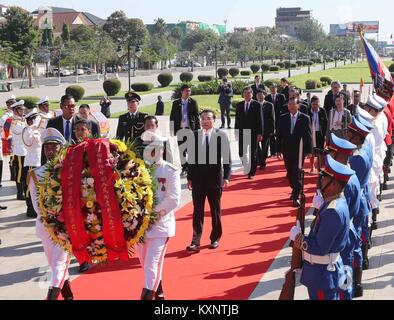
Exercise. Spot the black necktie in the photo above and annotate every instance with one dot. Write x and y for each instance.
(207, 148)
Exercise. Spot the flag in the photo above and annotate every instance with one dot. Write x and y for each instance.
(362, 86)
(381, 76)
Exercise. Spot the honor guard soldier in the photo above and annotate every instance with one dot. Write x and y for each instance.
(44, 113)
(340, 150)
(131, 124)
(151, 253)
(362, 165)
(6, 136)
(58, 259)
(31, 138)
(323, 271)
(19, 149)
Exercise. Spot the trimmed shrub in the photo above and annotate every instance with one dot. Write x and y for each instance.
(293, 65)
(326, 79)
(30, 101)
(142, 86)
(234, 72)
(234, 104)
(222, 72)
(205, 78)
(287, 64)
(76, 91)
(205, 88)
(309, 63)
(299, 63)
(391, 67)
(268, 83)
(280, 65)
(311, 84)
(165, 79)
(186, 76)
(265, 67)
(274, 68)
(246, 73)
(239, 85)
(112, 87)
(255, 68)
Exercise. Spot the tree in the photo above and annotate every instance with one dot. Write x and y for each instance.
(137, 33)
(66, 33)
(82, 34)
(160, 28)
(47, 38)
(310, 31)
(117, 27)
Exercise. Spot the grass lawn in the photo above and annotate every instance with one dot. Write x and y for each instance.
(204, 101)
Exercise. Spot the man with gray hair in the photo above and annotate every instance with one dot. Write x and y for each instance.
(329, 101)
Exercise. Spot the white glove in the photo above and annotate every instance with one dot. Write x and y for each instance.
(318, 200)
(295, 231)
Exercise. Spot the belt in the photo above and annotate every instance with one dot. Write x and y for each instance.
(329, 259)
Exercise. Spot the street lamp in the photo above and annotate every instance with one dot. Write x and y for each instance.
(209, 51)
(137, 54)
(290, 49)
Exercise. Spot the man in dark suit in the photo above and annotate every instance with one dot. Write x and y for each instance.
(329, 100)
(248, 128)
(295, 93)
(267, 112)
(258, 85)
(284, 84)
(319, 122)
(184, 115)
(65, 123)
(356, 103)
(225, 96)
(159, 106)
(131, 124)
(278, 100)
(293, 127)
(209, 172)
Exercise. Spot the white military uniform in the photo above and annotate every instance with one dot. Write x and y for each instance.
(58, 259)
(44, 118)
(152, 252)
(18, 124)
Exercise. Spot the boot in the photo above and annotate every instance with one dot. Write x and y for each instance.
(67, 294)
(147, 294)
(53, 294)
(159, 295)
(20, 193)
(380, 192)
(357, 277)
(374, 219)
(365, 256)
(370, 238)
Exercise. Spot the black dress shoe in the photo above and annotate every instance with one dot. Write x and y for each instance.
(229, 127)
(83, 267)
(263, 166)
(3, 208)
(193, 248)
(296, 203)
(250, 177)
(214, 245)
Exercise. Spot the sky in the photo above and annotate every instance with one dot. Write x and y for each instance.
(238, 13)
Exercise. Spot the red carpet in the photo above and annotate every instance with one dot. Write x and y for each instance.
(257, 217)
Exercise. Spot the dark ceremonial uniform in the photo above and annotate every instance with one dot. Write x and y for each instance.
(131, 127)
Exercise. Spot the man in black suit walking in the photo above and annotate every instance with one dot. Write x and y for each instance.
(284, 84)
(329, 100)
(131, 124)
(267, 112)
(248, 129)
(258, 85)
(184, 115)
(293, 127)
(278, 100)
(209, 172)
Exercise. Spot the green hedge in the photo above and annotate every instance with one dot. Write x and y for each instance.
(205, 78)
(265, 67)
(391, 67)
(286, 64)
(326, 79)
(186, 77)
(30, 101)
(255, 68)
(76, 91)
(222, 72)
(204, 88)
(142, 86)
(299, 63)
(112, 87)
(280, 65)
(165, 79)
(239, 85)
(293, 65)
(312, 84)
(234, 72)
(246, 73)
(268, 83)
(274, 68)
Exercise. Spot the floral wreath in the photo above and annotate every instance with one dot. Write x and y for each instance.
(133, 191)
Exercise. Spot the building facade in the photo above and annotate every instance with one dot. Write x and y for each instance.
(288, 19)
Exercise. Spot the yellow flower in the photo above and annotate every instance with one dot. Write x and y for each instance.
(121, 146)
(89, 204)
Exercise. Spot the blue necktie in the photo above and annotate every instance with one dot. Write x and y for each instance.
(67, 131)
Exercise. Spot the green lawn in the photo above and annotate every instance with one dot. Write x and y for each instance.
(204, 101)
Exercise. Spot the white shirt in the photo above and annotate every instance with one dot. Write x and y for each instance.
(293, 120)
(315, 120)
(32, 140)
(185, 116)
(18, 146)
(336, 123)
(204, 135)
(133, 114)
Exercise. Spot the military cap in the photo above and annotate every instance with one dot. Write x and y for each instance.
(18, 104)
(43, 100)
(380, 100)
(358, 127)
(132, 96)
(372, 103)
(33, 112)
(341, 145)
(337, 170)
(11, 99)
(365, 120)
(52, 135)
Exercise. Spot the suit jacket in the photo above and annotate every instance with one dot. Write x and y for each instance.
(285, 92)
(255, 88)
(210, 174)
(329, 102)
(268, 116)
(193, 114)
(129, 129)
(225, 94)
(279, 103)
(352, 108)
(289, 143)
(304, 108)
(57, 123)
(251, 120)
(323, 120)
